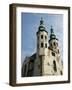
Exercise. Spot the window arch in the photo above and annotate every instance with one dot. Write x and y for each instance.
(42, 44)
(41, 36)
(45, 45)
(54, 66)
(54, 43)
(45, 37)
(61, 72)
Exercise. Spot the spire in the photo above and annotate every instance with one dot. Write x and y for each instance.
(41, 26)
(52, 35)
(41, 21)
(52, 30)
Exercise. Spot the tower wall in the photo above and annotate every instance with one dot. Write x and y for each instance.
(42, 43)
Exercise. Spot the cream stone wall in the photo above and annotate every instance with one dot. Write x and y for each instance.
(47, 64)
(42, 51)
(44, 65)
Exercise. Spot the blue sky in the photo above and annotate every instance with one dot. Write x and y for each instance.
(29, 26)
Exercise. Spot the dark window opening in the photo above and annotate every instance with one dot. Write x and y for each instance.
(41, 44)
(61, 72)
(53, 54)
(45, 37)
(54, 64)
(46, 45)
(54, 44)
(41, 36)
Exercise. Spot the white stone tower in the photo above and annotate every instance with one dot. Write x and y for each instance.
(42, 39)
(42, 47)
(53, 42)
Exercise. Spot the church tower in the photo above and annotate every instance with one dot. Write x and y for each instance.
(42, 39)
(55, 59)
(53, 42)
(42, 48)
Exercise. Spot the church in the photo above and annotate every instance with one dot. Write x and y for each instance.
(47, 59)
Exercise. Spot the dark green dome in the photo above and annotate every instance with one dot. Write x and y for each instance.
(52, 35)
(41, 26)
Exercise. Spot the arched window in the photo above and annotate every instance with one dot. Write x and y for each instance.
(54, 43)
(45, 45)
(42, 44)
(54, 66)
(41, 36)
(61, 72)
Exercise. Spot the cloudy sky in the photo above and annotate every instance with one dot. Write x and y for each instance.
(29, 26)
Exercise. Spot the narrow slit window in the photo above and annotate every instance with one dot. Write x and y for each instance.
(41, 36)
(42, 45)
(46, 45)
(61, 73)
(54, 66)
